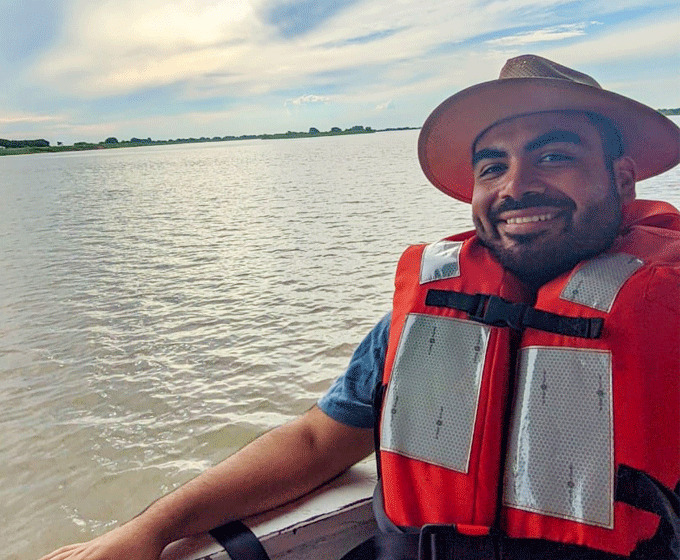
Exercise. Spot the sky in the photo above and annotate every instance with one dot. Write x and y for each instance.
(83, 70)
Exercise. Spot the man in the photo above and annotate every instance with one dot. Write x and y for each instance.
(520, 373)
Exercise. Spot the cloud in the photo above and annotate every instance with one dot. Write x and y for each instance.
(28, 118)
(112, 48)
(304, 99)
(21, 125)
(384, 106)
(363, 39)
(558, 33)
(293, 18)
(655, 37)
(116, 47)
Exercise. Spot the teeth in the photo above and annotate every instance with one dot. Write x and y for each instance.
(529, 219)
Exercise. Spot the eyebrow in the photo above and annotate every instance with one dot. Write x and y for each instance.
(487, 153)
(551, 137)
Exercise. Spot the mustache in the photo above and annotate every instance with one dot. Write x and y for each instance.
(530, 200)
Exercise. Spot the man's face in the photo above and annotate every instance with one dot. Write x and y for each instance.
(543, 197)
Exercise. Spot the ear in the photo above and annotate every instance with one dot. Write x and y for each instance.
(624, 178)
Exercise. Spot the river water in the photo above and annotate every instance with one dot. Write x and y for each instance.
(161, 306)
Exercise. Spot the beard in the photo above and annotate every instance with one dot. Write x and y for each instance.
(538, 258)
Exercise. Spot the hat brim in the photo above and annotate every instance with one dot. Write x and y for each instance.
(445, 143)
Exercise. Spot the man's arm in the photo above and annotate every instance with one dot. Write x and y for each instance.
(277, 467)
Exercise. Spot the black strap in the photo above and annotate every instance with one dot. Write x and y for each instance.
(638, 489)
(378, 397)
(239, 542)
(444, 542)
(496, 311)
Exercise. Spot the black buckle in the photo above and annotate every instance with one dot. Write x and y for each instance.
(437, 542)
(498, 312)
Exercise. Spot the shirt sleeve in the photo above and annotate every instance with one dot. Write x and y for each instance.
(350, 398)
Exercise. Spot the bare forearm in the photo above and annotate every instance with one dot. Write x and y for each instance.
(276, 468)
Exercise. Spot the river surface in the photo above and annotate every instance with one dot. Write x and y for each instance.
(161, 306)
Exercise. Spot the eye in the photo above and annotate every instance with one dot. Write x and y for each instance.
(555, 157)
(492, 169)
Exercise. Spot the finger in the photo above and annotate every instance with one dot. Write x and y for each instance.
(63, 552)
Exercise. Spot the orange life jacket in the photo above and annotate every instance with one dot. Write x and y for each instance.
(585, 404)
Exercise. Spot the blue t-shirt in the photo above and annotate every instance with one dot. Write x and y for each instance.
(350, 398)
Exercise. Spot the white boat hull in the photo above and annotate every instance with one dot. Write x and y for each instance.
(322, 525)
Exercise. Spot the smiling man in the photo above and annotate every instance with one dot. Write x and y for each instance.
(527, 359)
(525, 389)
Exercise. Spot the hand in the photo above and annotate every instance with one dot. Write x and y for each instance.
(128, 542)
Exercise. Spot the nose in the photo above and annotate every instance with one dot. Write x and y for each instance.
(519, 179)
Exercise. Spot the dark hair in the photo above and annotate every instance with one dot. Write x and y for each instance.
(612, 142)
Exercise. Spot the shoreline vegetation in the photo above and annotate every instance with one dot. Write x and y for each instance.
(19, 147)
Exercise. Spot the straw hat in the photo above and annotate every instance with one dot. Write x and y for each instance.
(531, 84)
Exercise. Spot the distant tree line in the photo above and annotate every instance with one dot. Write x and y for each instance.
(113, 141)
(670, 111)
(24, 143)
(316, 132)
(32, 146)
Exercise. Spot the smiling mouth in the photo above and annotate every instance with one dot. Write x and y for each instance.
(530, 219)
